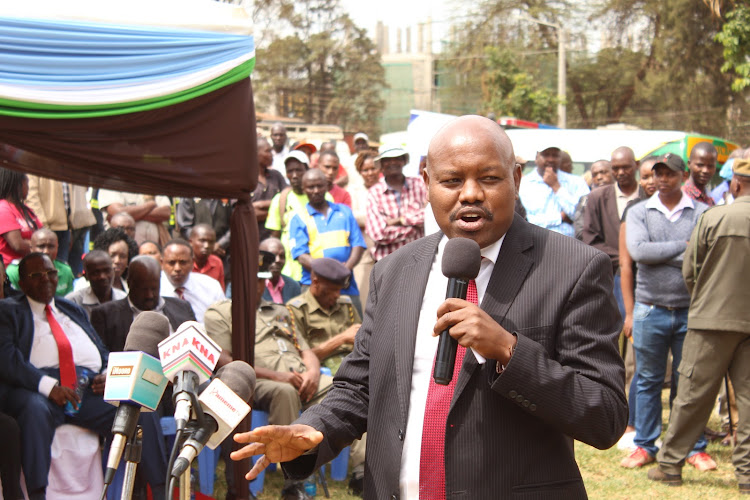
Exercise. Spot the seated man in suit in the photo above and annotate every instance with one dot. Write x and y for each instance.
(113, 319)
(45, 342)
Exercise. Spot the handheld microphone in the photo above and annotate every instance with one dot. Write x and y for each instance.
(462, 258)
(188, 358)
(134, 381)
(224, 406)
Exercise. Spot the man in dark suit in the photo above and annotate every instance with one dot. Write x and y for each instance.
(543, 370)
(32, 328)
(113, 319)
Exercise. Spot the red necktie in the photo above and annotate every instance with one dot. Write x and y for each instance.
(64, 351)
(180, 291)
(432, 456)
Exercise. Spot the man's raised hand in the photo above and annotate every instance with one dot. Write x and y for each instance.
(277, 443)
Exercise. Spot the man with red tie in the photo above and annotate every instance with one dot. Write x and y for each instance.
(46, 342)
(537, 363)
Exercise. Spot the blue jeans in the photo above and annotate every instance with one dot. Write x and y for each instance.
(656, 330)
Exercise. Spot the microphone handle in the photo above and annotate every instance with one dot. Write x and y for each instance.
(445, 359)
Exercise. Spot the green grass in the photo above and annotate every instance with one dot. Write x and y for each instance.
(602, 474)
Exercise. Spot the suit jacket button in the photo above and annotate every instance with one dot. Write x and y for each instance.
(519, 398)
(512, 394)
(532, 407)
(394, 497)
(400, 434)
(526, 403)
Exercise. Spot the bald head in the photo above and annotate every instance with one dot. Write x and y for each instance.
(314, 174)
(124, 221)
(144, 276)
(472, 179)
(271, 245)
(703, 148)
(624, 168)
(457, 132)
(142, 266)
(44, 241)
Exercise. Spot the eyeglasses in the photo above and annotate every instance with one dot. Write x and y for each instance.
(52, 273)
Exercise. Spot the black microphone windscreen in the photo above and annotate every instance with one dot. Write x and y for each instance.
(148, 329)
(239, 377)
(462, 258)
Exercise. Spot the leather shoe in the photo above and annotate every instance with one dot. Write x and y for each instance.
(638, 458)
(702, 461)
(357, 485)
(294, 491)
(656, 474)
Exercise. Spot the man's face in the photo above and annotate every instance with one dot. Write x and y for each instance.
(360, 145)
(472, 185)
(177, 264)
(623, 168)
(99, 273)
(392, 167)
(39, 280)
(668, 181)
(549, 158)
(148, 248)
(202, 240)
(648, 181)
(325, 292)
(278, 137)
(702, 166)
(601, 174)
(330, 166)
(45, 243)
(265, 157)
(294, 171)
(278, 263)
(315, 188)
(144, 288)
(125, 224)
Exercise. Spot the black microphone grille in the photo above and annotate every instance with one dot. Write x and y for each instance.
(148, 329)
(239, 377)
(462, 258)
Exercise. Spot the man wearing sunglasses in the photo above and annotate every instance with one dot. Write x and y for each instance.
(46, 343)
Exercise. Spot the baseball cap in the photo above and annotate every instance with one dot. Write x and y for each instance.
(361, 135)
(671, 161)
(392, 152)
(297, 155)
(306, 144)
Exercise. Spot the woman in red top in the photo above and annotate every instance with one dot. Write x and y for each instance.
(17, 221)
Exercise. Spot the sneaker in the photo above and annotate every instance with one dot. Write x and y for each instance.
(656, 474)
(638, 458)
(702, 461)
(626, 442)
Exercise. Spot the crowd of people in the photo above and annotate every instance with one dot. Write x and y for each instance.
(324, 222)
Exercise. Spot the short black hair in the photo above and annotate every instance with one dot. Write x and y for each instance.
(113, 235)
(328, 152)
(156, 244)
(180, 241)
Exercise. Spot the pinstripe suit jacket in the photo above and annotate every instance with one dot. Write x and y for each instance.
(509, 435)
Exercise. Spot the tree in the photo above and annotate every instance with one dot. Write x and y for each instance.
(325, 69)
(735, 39)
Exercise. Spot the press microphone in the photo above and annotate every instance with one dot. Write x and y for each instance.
(188, 358)
(224, 404)
(461, 261)
(134, 381)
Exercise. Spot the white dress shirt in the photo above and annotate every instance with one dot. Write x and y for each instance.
(44, 347)
(623, 199)
(673, 214)
(424, 355)
(200, 292)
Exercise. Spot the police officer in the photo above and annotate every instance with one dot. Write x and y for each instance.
(328, 320)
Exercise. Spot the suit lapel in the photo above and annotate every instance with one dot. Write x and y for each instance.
(610, 201)
(412, 286)
(508, 275)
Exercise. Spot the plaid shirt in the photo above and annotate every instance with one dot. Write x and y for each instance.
(697, 194)
(382, 205)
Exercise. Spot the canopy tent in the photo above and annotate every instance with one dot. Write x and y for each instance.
(139, 96)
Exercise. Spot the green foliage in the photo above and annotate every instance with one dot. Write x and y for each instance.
(735, 38)
(318, 65)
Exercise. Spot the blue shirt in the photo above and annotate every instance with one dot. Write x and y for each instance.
(544, 206)
(332, 235)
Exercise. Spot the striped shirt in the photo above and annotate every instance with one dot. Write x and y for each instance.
(385, 203)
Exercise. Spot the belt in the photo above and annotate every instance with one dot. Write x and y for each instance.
(668, 308)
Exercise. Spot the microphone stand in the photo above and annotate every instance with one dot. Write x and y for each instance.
(132, 458)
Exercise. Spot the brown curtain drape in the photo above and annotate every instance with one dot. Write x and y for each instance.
(205, 147)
